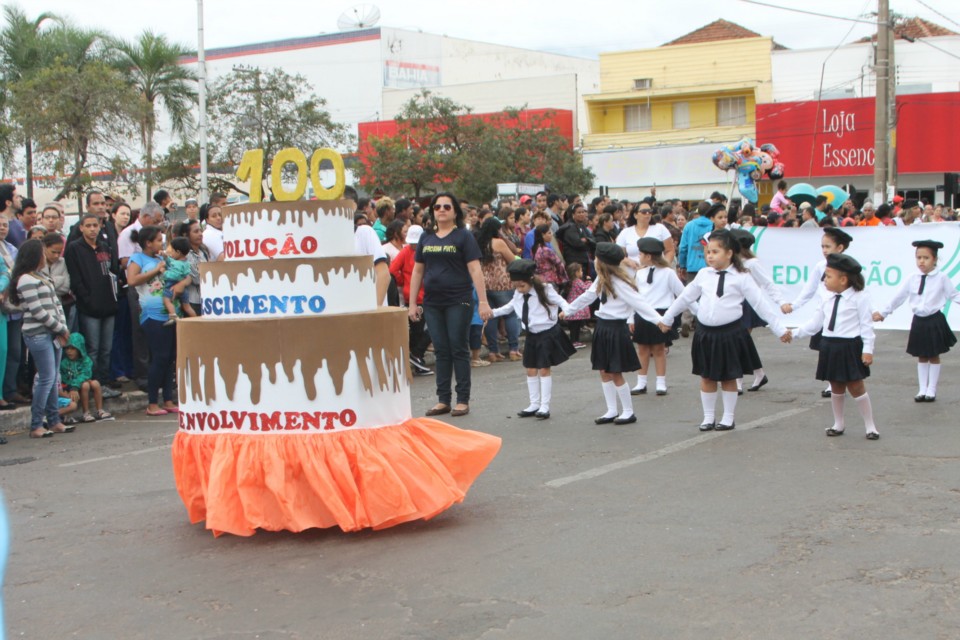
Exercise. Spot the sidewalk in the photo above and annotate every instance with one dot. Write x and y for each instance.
(18, 420)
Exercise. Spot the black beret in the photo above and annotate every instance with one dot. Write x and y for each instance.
(712, 211)
(843, 262)
(839, 236)
(650, 245)
(610, 253)
(929, 244)
(522, 270)
(744, 237)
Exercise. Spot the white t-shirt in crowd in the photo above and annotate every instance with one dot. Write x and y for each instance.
(213, 239)
(629, 236)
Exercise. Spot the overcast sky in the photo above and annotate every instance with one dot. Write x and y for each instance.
(560, 26)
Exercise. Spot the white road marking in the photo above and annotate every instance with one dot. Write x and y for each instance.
(119, 455)
(673, 448)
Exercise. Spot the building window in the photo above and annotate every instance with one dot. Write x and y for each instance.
(731, 111)
(636, 117)
(681, 115)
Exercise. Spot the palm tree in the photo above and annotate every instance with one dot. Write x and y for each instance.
(152, 66)
(22, 53)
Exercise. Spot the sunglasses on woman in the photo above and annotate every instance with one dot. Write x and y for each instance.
(443, 207)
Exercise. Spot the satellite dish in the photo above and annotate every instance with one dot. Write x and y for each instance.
(359, 16)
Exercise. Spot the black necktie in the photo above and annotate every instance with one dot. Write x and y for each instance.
(525, 312)
(833, 314)
(923, 282)
(650, 276)
(723, 276)
(603, 298)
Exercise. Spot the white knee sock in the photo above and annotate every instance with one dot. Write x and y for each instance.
(739, 386)
(533, 388)
(610, 395)
(546, 390)
(836, 399)
(933, 380)
(641, 382)
(626, 402)
(757, 376)
(729, 406)
(866, 410)
(709, 402)
(923, 375)
(661, 383)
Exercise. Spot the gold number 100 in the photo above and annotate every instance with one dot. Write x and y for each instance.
(251, 168)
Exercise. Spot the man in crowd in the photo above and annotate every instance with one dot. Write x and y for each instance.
(385, 211)
(9, 202)
(97, 205)
(404, 210)
(870, 218)
(539, 218)
(93, 282)
(809, 216)
(165, 200)
(216, 199)
(50, 219)
(192, 208)
(541, 201)
(24, 220)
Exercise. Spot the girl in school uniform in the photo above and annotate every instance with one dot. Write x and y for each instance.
(722, 350)
(536, 304)
(846, 346)
(930, 335)
(659, 285)
(612, 354)
(750, 318)
(834, 240)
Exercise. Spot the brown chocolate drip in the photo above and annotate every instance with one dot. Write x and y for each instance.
(300, 211)
(323, 268)
(231, 346)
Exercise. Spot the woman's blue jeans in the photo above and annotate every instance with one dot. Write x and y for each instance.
(449, 328)
(491, 330)
(163, 360)
(46, 356)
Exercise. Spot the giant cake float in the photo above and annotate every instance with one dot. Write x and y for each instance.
(294, 388)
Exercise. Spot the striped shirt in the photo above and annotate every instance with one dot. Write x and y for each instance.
(42, 312)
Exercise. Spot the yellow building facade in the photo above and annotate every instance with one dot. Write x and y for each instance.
(682, 94)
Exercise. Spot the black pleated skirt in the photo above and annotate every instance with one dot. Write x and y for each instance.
(930, 336)
(612, 350)
(647, 333)
(723, 353)
(547, 348)
(841, 360)
(750, 319)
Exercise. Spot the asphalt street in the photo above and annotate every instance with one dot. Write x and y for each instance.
(651, 530)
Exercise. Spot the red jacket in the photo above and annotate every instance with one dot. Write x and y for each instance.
(402, 270)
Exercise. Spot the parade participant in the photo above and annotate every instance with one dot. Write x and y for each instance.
(833, 241)
(722, 350)
(547, 346)
(846, 348)
(659, 285)
(612, 353)
(750, 318)
(930, 335)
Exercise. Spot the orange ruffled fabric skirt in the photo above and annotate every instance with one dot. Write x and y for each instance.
(368, 478)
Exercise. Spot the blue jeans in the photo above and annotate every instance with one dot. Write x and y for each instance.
(492, 331)
(98, 332)
(121, 356)
(46, 355)
(14, 355)
(163, 360)
(449, 329)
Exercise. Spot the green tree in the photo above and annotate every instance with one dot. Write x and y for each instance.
(151, 66)
(180, 167)
(23, 52)
(251, 108)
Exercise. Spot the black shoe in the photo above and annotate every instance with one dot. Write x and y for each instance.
(725, 427)
(826, 393)
(708, 426)
(873, 435)
(604, 420)
(757, 386)
(833, 432)
(628, 420)
(919, 398)
(929, 398)
(543, 415)
(526, 414)
(8, 407)
(661, 392)
(739, 392)
(418, 367)
(638, 392)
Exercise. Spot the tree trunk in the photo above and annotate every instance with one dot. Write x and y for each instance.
(29, 159)
(148, 139)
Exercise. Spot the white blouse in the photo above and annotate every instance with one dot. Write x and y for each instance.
(763, 280)
(716, 311)
(664, 289)
(621, 307)
(540, 317)
(814, 284)
(629, 236)
(854, 318)
(937, 289)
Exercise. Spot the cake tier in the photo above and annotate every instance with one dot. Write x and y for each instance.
(321, 374)
(300, 287)
(301, 229)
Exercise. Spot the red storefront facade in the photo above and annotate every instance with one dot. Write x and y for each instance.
(831, 141)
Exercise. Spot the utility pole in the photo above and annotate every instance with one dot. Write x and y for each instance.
(881, 126)
(202, 94)
(891, 110)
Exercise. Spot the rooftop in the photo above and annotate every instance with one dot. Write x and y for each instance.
(716, 31)
(913, 29)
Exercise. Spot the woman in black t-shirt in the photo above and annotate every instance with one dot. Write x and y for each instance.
(448, 267)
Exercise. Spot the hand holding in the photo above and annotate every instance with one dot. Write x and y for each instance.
(877, 317)
(786, 308)
(787, 338)
(664, 328)
(867, 359)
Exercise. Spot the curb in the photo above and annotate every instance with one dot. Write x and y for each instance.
(18, 420)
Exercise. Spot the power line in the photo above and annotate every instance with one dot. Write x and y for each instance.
(938, 13)
(949, 53)
(810, 13)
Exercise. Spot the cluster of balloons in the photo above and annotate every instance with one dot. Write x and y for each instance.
(751, 164)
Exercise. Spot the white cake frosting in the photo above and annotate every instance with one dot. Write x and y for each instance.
(280, 230)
